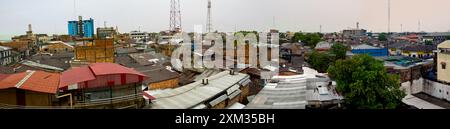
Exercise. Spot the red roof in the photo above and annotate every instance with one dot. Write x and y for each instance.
(3, 76)
(91, 72)
(37, 81)
(76, 75)
(112, 68)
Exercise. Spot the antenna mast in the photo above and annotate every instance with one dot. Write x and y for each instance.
(208, 19)
(175, 16)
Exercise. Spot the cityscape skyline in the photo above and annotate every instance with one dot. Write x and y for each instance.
(51, 16)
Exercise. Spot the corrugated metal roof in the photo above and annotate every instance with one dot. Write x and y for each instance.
(364, 46)
(87, 73)
(195, 93)
(291, 92)
(445, 44)
(237, 106)
(37, 81)
(76, 75)
(39, 65)
(112, 68)
(3, 48)
(218, 100)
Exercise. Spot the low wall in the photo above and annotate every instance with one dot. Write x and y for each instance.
(436, 89)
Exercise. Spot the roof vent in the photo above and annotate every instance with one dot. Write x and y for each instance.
(205, 81)
(232, 72)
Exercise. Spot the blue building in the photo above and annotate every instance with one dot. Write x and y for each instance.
(86, 26)
(370, 50)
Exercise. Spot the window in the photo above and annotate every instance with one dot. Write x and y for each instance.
(444, 65)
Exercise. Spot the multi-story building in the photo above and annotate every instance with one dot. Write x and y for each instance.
(106, 32)
(436, 37)
(81, 28)
(103, 85)
(57, 47)
(5, 55)
(418, 51)
(443, 58)
(139, 36)
(101, 50)
(42, 38)
(354, 33)
(23, 48)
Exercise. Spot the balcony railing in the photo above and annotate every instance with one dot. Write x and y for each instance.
(91, 103)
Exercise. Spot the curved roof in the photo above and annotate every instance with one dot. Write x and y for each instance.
(112, 68)
(87, 73)
(365, 46)
(75, 75)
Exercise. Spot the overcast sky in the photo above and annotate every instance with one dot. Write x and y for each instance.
(51, 16)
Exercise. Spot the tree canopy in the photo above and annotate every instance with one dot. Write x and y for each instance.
(382, 37)
(320, 61)
(365, 84)
(339, 50)
(448, 37)
(311, 39)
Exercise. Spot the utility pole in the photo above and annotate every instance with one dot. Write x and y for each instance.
(389, 16)
(273, 22)
(401, 28)
(320, 29)
(75, 9)
(418, 26)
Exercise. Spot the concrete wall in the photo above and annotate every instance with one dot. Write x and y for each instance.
(443, 74)
(412, 88)
(436, 89)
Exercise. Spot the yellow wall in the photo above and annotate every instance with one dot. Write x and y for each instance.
(8, 96)
(101, 51)
(95, 54)
(37, 99)
(443, 74)
(173, 83)
(57, 48)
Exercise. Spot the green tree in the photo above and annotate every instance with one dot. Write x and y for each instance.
(339, 50)
(365, 83)
(428, 42)
(311, 39)
(448, 37)
(320, 61)
(298, 36)
(382, 37)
